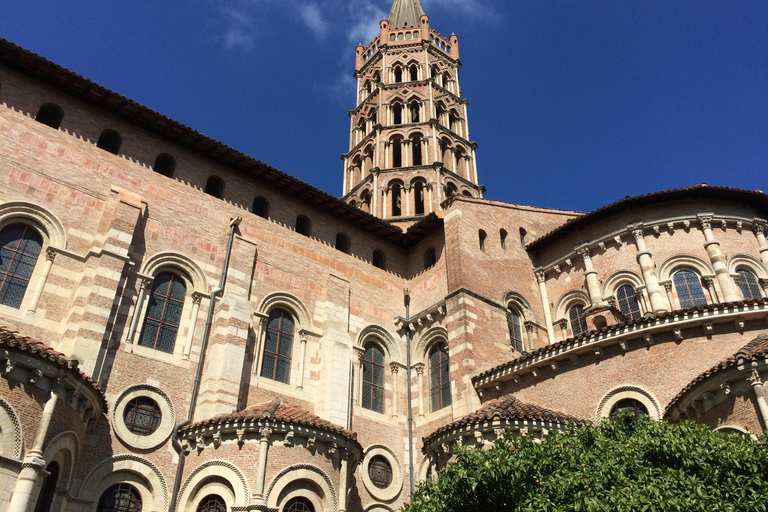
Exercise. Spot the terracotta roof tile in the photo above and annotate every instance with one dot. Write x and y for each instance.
(507, 407)
(648, 317)
(752, 351)
(38, 349)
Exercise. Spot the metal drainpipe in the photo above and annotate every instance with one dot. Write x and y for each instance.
(407, 300)
(233, 223)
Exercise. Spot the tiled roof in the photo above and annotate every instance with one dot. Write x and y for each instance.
(276, 411)
(754, 198)
(509, 408)
(40, 350)
(556, 347)
(752, 351)
(69, 82)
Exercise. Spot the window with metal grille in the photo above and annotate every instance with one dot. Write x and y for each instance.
(298, 505)
(373, 377)
(515, 324)
(636, 407)
(120, 498)
(278, 346)
(380, 471)
(142, 416)
(161, 324)
(750, 288)
(578, 322)
(48, 489)
(439, 377)
(20, 246)
(689, 290)
(627, 302)
(212, 503)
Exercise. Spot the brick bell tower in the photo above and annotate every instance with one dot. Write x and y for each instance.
(409, 147)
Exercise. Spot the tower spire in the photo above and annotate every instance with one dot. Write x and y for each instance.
(405, 13)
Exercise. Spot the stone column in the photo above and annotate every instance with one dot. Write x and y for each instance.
(374, 195)
(431, 198)
(529, 327)
(542, 278)
(145, 282)
(731, 292)
(647, 267)
(593, 285)
(24, 493)
(563, 324)
(709, 284)
(419, 367)
(343, 479)
(405, 152)
(759, 226)
(196, 299)
(261, 469)
(261, 322)
(407, 199)
(764, 284)
(50, 255)
(394, 367)
(757, 387)
(302, 355)
(359, 391)
(670, 296)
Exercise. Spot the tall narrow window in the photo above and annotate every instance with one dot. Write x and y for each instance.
(373, 377)
(165, 165)
(418, 198)
(278, 346)
(397, 114)
(627, 302)
(482, 235)
(515, 324)
(689, 290)
(342, 243)
(416, 143)
(430, 257)
(120, 498)
(414, 73)
(398, 74)
(379, 260)
(503, 238)
(749, 285)
(303, 226)
(414, 107)
(214, 187)
(161, 324)
(212, 503)
(397, 153)
(50, 115)
(439, 377)
(523, 237)
(261, 207)
(48, 489)
(397, 209)
(20, 246)
(578, 322)
(110, 140)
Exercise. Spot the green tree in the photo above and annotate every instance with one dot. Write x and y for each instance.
(627, 464)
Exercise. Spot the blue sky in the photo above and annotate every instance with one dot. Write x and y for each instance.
(574, 103)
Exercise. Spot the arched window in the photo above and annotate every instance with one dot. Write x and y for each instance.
(120, 498)
(749, 285)
(414, 107)
(397, 205)
(578, 322)
(503, 238)
(48, 489)
(397, 113)
(451, 190)
(373, 377)
(214, 187)
(398, 74)
(165, 165)
(342, 243)
(482, 235)
(689, 290)
(626, 297)
(50, 115)
(397, 153)
(20, 246)
(161, 324)
(414, 73)
(379, 260)
(418, 198)
(261, 207)
(416, 143)
(303, 226)
(299, 504)
(212, 503)
(439, 377)
(515, 324)
(110, 140)
(278, 346)
(636, 407)
(523, 235)
(365, 201)
(430, 257)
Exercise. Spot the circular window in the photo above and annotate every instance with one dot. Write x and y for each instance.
(380, 472)
(142, 416)
(636, 407)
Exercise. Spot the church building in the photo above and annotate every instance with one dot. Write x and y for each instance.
(185, 328)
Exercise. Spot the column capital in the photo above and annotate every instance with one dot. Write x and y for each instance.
(50, 254)
(583, 251)
(759, 226)
(375, 171)
(763, 282)
(197, 298)
(705, 220)
(264, 433)
(667, 286)
(707, 281)
(563, 324)
(754, 378)
(541, 276)
(419, 367)
(637, 230)
(394, 367)
(529, 326)
(145, 281)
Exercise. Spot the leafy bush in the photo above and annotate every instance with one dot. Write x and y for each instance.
(627, 464)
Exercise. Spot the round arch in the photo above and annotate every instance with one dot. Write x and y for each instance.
(429, 338)
(40, 217)
(137, 470)
(569, 299)
(289, 302)
(381, 334)
(175, 261)
(65, 449)
(11, 438)
(684, 261)
(521, 304)
(619, 278)
(747, 262)
(292, 481)
(200, 481)
(629, 391)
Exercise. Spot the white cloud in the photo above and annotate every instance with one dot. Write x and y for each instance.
(472, 8)
(312, 17)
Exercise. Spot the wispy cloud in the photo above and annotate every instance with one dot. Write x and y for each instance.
(479, 9)
(238, 29)
(313, 18)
